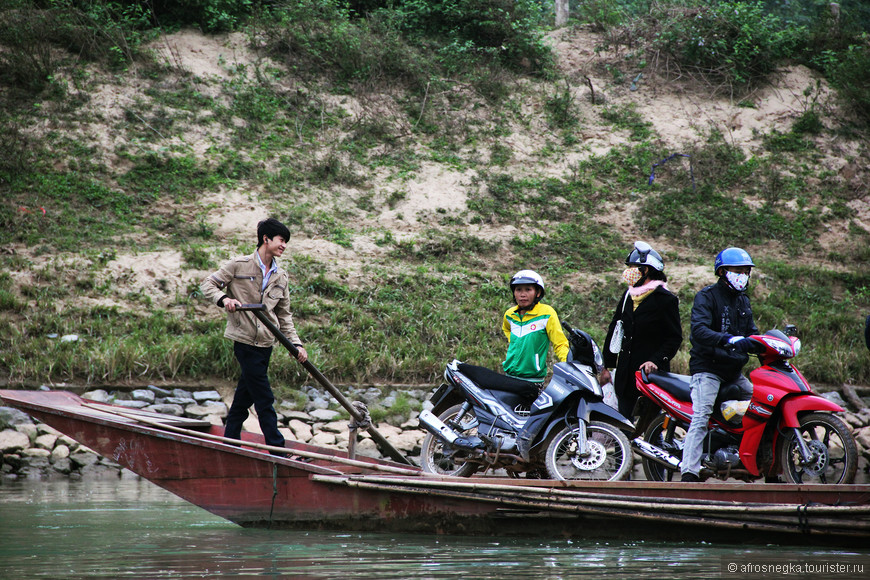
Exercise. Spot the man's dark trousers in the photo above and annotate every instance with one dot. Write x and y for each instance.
(253, 389)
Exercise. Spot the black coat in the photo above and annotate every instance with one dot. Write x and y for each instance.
(650, 333)
(718, 313)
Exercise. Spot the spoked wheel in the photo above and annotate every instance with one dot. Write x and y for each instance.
(608, 456)
(441, 459)
(834, 456)
(666, 434)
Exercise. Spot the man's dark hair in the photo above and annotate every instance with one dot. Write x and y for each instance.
(270, 228)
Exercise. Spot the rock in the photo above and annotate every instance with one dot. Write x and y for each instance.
(301, 430)
(62, 465)
(99, 396)
(82, 459)
(179, 401)
(409, 441)
(852, 420)
(166, 409)
(132, 404)
(202, 396)
(181, 394)
(29, 429)
(159, 392)
(388, 431)
(862, 437)
(323, 438)
(318, 403)
(367, 448)
(200, 411)
(216, 420)
(300, 415)
(59, 452)
(46, 441)
(32, 452)
(836, 398)
(143, 395)
(10, 417)
(12, 440)
(335, 427)
(324, 415)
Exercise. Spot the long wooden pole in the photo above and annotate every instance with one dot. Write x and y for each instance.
(236, 442)
(382, 443)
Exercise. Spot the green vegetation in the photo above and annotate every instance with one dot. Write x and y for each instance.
(330, 128)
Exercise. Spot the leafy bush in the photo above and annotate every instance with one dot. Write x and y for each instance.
(505, 30)
(38, 37)
(734, 42)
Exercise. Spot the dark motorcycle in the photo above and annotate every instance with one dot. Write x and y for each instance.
(483, 420)
(784, 429)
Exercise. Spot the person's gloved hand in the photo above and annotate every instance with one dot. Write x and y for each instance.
(744, 345)
(734, 339)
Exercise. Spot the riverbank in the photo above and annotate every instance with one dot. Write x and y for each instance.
(34, 451)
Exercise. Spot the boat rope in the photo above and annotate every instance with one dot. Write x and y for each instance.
(365, 418)
(274, 491)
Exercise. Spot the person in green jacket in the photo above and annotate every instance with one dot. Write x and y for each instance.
(531, 327)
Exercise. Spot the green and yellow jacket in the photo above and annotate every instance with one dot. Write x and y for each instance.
(529, 336)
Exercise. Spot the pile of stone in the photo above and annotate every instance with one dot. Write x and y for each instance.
(29, 449)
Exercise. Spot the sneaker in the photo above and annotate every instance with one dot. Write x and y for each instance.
(689, 478)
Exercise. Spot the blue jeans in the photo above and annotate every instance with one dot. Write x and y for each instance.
(705, 388)
(253, 389)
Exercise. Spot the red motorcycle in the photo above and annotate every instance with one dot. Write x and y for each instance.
(786, 429)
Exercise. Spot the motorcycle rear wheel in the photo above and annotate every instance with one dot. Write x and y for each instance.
(670, 439)
(833, 447)
(434, 458)
(609, 457)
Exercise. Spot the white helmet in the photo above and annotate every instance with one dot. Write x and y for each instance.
(528, 277)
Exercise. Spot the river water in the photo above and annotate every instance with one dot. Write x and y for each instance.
(130, 528)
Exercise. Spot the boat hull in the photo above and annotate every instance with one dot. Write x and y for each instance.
(317, 488)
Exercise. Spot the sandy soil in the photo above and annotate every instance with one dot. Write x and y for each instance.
(679, 115)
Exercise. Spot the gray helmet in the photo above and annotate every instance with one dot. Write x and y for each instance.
(643, 255)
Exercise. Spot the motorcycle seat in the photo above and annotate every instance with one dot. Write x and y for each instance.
(491, 380)
(675, 385)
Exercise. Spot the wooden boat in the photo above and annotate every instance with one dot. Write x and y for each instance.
(321, 488)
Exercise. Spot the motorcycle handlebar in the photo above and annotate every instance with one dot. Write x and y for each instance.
(251, 307)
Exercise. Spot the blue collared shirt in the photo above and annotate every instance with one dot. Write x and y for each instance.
(266, 275)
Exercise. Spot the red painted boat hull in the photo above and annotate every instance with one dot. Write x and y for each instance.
(252, 488)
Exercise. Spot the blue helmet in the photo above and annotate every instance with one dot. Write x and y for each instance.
(732, 257)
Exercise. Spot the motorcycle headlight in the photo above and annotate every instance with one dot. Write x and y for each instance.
(797, 346)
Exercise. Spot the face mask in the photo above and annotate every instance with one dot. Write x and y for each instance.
(631, 276)
(737, 281)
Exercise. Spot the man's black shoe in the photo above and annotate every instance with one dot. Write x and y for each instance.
(689, 478)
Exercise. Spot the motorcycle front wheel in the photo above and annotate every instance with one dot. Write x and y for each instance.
(608, 456)
(834, 454)
(441, 459)
(669, 438)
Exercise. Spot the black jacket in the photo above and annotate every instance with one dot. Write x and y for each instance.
(650, 333)
(718, 313)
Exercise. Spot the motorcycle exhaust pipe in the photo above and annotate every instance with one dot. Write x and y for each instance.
(657, 454)
(437, 427)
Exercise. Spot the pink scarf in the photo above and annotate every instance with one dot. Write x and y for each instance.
(648, 287)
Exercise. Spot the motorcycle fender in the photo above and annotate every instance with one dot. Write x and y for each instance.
(445, 397)
(587, 409)
(793, 406)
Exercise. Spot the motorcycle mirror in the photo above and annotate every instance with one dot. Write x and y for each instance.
(791, 330)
